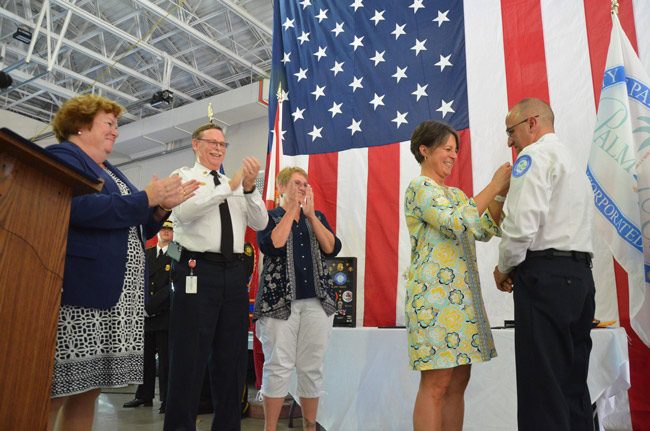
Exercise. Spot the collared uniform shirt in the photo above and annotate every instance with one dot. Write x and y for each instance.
(197, 222)
(549, 205)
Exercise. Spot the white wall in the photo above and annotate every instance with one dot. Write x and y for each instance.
(26, 127)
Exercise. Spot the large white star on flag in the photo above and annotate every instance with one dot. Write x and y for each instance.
(321, 52)
(399, 30)
(338, 67)
(288, 23)
(305, 3)
(357, 42)
(419, 46)
(315, 133)
(335, 109)
(378, 58)
(442, 17)
(400, 73)
(285, 58)
(297, 114)
(322, 14)
(356, 83)
(338, 29)
(357, 4)
(444, 62)
(304, 37)
(445, 107)
(417, 4)
(354, 127)
(302, 74)
(379, 16)
(282, 132)
(420, 92)
(400, 119)
(377, 101)
(319, 91)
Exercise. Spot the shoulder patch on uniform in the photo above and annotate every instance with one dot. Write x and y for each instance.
(522, 165)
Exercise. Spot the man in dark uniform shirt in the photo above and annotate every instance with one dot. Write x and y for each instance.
(156, 322)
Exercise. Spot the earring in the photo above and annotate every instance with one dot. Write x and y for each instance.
(79, 132)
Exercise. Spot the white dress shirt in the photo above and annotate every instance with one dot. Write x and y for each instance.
(197, 221)
(550, 204)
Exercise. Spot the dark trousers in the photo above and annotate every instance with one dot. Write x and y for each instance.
(210, 327)
(554, 309)
(154, 341)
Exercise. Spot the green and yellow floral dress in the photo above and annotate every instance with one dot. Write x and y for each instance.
(445, 316)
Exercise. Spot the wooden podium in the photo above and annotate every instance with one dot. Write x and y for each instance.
(35, 194)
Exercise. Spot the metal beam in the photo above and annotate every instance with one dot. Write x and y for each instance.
(99, 57)
(202, 37)
(246, 16)
(136, 42)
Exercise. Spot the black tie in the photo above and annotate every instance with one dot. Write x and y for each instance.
(226, 222)
(160, 253)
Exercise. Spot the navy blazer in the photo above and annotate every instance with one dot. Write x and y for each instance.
(95, 260)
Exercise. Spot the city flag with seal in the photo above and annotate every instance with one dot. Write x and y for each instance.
(619, 171)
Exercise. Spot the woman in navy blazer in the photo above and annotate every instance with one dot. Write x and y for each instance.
(101, 321)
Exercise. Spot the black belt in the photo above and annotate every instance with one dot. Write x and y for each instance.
(551, 252)
(210, 256)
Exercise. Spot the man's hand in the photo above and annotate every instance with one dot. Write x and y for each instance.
(250, 168)
(503, 281)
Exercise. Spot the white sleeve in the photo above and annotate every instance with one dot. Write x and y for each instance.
(207, 198)
(526, 210)
(256, 212)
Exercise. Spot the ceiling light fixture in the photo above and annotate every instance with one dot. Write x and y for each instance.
(162, 99)
(5, 80)
(23, 35)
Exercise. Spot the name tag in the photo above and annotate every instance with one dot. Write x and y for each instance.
(190, 284)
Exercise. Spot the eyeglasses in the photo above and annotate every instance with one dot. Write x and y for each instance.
(112, 125)
(214, 143)
(510, 130)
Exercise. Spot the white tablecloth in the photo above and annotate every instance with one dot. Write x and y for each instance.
(369, 386)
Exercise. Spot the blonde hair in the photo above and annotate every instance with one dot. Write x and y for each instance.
(79, 112)
(286, 173)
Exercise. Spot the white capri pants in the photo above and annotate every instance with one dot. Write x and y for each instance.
(298, 343)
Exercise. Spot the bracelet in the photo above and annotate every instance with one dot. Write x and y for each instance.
(249, 191)
(500, 198)
(164, 209)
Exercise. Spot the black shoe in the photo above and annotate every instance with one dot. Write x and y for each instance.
(161, 410)
(138, 402)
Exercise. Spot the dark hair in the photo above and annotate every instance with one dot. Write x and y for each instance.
(80, 112)
(431, 134)
(198, 133)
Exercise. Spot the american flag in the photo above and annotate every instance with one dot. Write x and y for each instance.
(465, 62)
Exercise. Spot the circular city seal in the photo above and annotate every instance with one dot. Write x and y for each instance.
(522, 165)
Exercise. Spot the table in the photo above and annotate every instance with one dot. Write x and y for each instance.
(368, 384)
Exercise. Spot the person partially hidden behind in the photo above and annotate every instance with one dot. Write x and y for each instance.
(156, 321)
(545, 258)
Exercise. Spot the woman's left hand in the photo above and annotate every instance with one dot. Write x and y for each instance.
(308, 206)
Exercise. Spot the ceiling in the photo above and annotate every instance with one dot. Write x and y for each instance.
(127, 50)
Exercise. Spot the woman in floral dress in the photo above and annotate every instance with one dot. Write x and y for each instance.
(448, 329)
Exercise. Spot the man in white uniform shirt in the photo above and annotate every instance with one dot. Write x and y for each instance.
(545, 258)
(209, 313)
